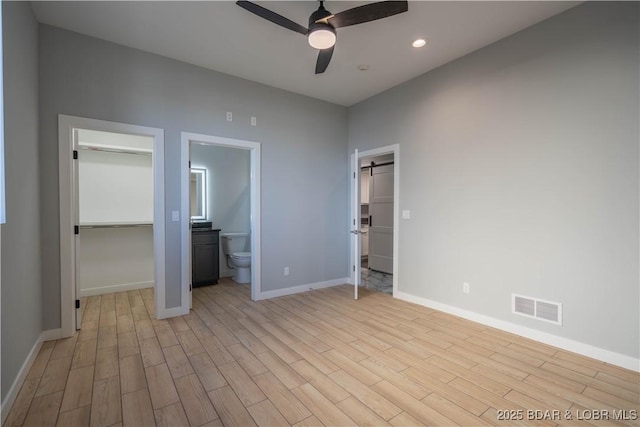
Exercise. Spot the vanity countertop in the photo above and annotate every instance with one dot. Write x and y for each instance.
(200, 226)
(200, 230)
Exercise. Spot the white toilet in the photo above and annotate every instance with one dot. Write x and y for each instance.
(233, 247)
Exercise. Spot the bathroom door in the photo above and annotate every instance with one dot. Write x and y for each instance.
(381, 219)
(355, 222)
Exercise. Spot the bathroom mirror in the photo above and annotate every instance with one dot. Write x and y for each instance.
(198, 194)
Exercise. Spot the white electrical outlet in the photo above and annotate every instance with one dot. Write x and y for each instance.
(253, 121)
(229, 116)
(175, 215)
(465, 288)
(286, 271)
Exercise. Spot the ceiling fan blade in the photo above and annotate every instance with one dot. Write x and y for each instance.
(324, 57)
(367, 13)
(273, 17)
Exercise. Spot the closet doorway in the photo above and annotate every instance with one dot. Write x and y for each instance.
(213, 214)
(111, 213)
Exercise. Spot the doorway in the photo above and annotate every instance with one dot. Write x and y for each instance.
(114, 246)
(376, 221)
(69, 130)
(375, 218)
(253, 221)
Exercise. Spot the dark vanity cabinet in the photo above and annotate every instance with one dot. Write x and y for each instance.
(205, 261)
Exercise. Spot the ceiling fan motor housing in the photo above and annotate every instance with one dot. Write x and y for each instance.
(319, 14)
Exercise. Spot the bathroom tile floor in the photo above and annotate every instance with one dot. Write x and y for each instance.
(377, 281)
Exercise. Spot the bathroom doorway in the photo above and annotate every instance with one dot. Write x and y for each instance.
(375, 195)
(105, 146)
(231, 172)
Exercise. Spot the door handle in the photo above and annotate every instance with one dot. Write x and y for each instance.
(355, 232)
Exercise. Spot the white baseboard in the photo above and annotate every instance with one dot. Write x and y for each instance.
(302, 288)
(24, 370)
(51, 334)
(601, 354)
(171, 312)
(115, 288)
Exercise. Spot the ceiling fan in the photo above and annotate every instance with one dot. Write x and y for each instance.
(322, 23)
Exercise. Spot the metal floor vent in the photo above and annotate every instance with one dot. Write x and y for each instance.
(547, 311)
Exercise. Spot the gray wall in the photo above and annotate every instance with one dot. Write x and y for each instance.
(21, 284)
(228, 189)
(519, 163)
(304, 164)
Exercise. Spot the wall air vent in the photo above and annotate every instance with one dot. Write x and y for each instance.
(546, 311)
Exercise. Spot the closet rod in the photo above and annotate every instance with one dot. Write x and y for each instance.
(115, 150)
(115, 225)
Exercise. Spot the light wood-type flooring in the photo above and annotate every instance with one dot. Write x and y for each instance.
(315, 358)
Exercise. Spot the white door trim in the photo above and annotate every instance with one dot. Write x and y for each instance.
(255, 216)
(395, 150)
(66, 125)
(355, 229)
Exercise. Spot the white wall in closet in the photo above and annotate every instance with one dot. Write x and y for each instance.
(115, 187)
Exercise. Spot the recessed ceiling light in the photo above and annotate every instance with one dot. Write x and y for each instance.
(419, 43)
(363, 67)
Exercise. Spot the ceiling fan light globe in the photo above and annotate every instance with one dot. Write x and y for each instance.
(322, 37)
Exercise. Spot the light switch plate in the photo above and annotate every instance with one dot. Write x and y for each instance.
(175, 215)
(406, 214)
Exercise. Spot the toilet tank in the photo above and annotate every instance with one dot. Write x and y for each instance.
(233, 242)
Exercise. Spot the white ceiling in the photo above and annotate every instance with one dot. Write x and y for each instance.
(224, 37)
